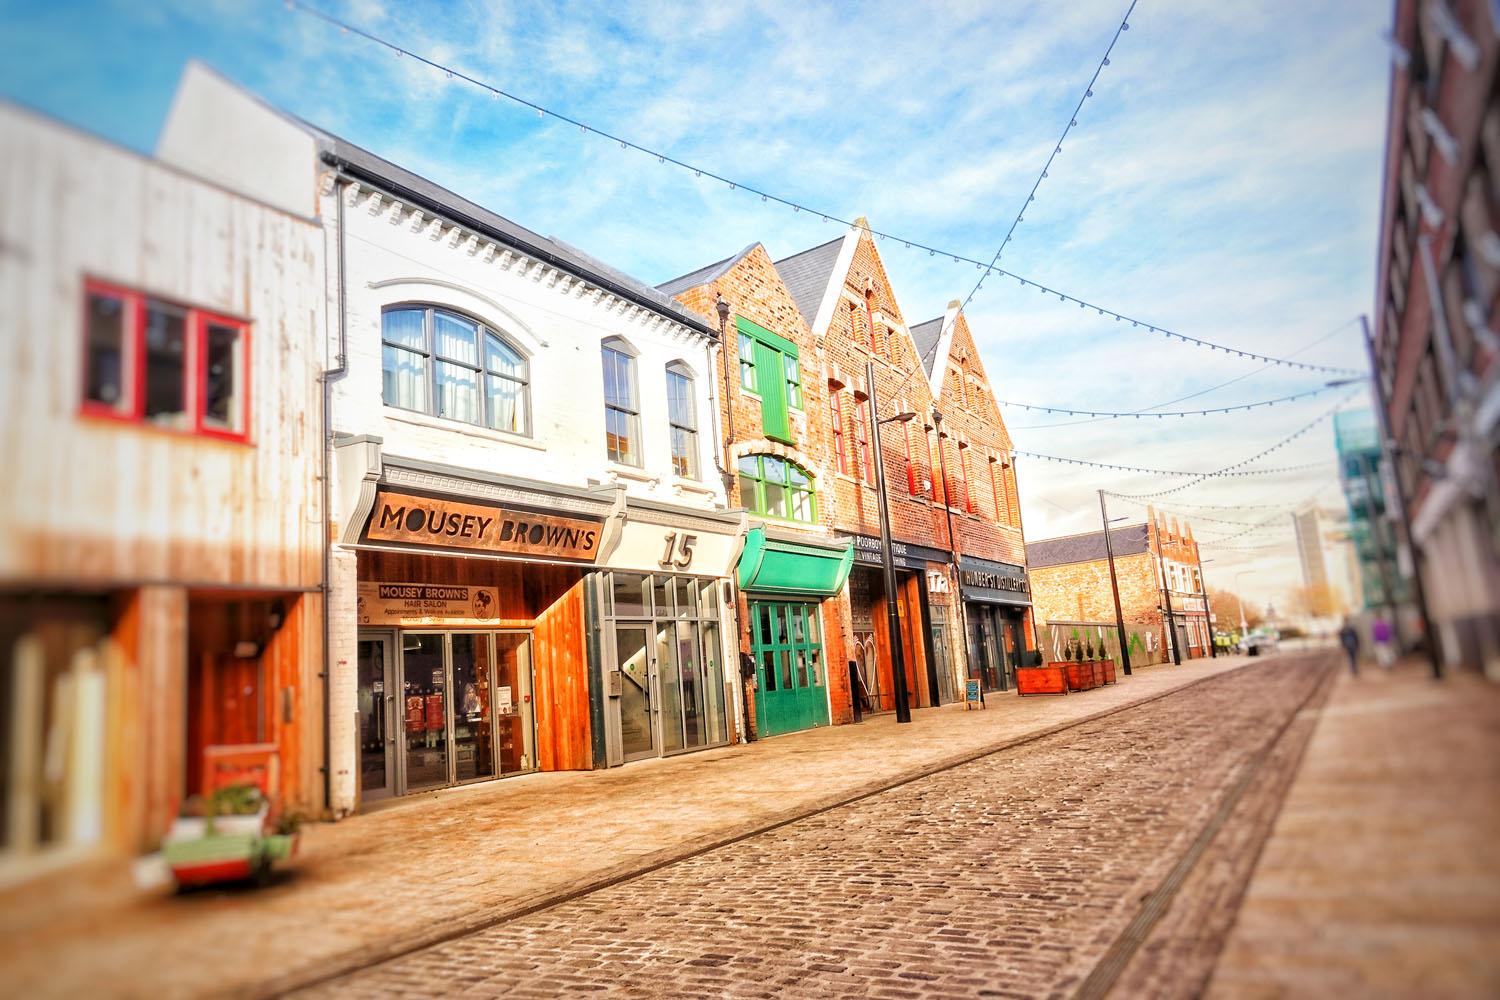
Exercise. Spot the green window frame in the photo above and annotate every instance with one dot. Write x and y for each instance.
(747, 364)
(770, 486)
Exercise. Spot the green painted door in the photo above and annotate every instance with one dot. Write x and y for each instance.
(791, 687)
(771, 380)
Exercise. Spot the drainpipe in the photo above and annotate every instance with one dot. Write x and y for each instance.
(327, 378)
(722, 306)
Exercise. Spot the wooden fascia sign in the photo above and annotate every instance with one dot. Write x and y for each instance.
(408, 519)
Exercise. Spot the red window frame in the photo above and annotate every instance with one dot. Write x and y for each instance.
(997, 474)
(911, 467)
(836, 415)
(862, 430)
(932, 467)
(965, 477)
(131, 408)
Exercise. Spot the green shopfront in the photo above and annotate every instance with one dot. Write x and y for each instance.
(785, 577)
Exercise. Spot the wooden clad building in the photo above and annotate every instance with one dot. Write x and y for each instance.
(161, 550)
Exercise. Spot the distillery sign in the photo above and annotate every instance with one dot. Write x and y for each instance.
(416, 520)
(993, 582)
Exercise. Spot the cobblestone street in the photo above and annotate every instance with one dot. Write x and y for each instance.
(1031, 872)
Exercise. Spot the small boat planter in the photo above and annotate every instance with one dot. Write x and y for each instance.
(233, 840)
(1051, 679)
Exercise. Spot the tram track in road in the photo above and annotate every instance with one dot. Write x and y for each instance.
(1051, 840)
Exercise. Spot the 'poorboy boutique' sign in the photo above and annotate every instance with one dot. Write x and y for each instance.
(416, 520)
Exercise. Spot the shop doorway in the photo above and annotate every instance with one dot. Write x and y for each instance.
(667, 647)
(791, 688)
(443, 708)
(942, 658)
(985, 663)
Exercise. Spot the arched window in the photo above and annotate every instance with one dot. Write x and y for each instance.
(682, 415)
(622, 403)
(774, 487)
(446, 364)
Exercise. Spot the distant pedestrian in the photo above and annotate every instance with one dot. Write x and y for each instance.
(1349, 639)
(1385, 649)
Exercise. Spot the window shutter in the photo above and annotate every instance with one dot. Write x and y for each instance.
(775, 421)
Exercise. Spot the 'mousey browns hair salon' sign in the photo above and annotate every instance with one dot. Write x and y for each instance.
(415, 520)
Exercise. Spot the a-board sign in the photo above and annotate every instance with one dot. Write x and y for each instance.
(971, 692)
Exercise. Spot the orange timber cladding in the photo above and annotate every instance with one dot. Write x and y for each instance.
(835, 307)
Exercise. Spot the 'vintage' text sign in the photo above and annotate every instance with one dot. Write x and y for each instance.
(414, 520)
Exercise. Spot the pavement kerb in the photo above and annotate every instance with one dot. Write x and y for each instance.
(476, 920)
(1105, 974)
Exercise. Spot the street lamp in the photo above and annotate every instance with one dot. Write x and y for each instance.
(1114, 583)
(1208, 613)
(1240, 596)
(893, 619)
(1166, 593)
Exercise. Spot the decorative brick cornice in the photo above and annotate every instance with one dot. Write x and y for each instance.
(460, 239)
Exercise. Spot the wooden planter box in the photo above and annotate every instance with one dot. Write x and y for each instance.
(1109, 671)
(1050, 679)
(1098, 673)
(1080, 676)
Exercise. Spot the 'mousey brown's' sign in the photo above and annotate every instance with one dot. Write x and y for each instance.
(413, 520)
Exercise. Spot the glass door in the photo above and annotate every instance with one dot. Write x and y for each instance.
(637, 732)
(515, 722)
(425, 683)
(472, 659)
(377, 737)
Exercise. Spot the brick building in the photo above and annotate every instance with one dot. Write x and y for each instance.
(841, 287)
(776, 464)
(1438, 377)
(982, 499)
(1070, 583)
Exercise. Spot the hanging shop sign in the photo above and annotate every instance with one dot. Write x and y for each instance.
(903, 554)
(409, 605)
(1192, 604)
(993, 582)
(409, 519)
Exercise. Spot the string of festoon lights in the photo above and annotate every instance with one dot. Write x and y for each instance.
(1137, 414)
(1201, 477)
(765, 195)
(1171, 472)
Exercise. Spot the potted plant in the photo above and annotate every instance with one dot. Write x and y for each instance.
(1034, 678)
(225, 836)
(1078, 679)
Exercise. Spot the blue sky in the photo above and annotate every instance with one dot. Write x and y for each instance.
(1223, 180)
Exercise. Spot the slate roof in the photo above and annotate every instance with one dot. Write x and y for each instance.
(703, 275)
(1127, 540)
(926, 335)
(806, 276)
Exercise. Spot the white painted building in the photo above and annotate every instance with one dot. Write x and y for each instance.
(530, 550)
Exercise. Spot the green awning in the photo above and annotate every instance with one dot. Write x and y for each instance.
(782, 566)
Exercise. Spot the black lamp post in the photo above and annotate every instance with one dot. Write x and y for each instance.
(898, 660)
(1166, 593)
(1114, 585)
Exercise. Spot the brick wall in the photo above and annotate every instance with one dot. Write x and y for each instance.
(1080, 591)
